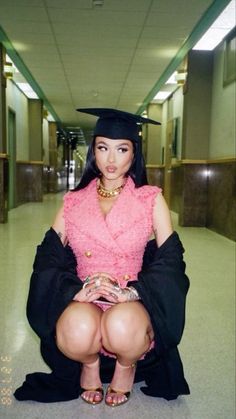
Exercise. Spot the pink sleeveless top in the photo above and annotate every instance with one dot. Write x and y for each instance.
(113, 243)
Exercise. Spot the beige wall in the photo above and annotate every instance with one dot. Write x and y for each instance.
(178, 113)
(35, 110)
(153, 146)
(164, 123)
(197, 106)
(18, 103)
(173, 108)
(2, 103)
(45, 142)
(222, 133)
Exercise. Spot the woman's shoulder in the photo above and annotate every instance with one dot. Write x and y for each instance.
(150, 189)
(147, 191)
(71, 198)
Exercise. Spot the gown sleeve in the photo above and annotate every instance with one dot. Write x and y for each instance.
(53, 284)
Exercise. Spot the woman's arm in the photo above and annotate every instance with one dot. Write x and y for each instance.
(162, 224)
(59, 226)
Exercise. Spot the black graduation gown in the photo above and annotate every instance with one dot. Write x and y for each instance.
(162, 286)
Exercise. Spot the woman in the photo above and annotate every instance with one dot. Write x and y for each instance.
(107, 303)
(110, 192)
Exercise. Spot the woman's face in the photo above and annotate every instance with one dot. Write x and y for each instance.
(113, 157)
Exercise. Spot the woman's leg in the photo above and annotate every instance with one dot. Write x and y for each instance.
(127, 332)
(78, 336)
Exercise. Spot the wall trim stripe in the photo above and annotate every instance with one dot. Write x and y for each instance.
(155, 166)
(190, 161)
(209, 161)
(40, 163)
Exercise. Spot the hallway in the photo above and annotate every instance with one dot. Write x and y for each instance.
(207, 348)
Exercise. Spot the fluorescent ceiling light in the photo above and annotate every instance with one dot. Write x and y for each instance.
(219, 29)
(23, 86)
(27, 90)
(97, 3)
(172, 79)
(162, 95)
(50, 118)
(15, 69)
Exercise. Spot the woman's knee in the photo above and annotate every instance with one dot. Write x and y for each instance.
(78, 329)
(123, 326)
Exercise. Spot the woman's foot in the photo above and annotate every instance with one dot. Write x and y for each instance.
(119, 390)
(90, 383)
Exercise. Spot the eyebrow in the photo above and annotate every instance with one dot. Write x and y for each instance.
(100, 142)
(119, 145)
(128, 144)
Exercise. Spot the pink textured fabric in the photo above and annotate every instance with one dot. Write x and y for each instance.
(113, 243)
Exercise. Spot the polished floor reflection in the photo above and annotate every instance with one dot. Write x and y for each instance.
(207, 348)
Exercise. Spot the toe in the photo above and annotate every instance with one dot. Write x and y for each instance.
(97, 397)
(91, 396)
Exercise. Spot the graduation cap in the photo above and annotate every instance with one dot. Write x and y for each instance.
(116, 124)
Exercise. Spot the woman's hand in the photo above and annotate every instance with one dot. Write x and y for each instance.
(93, 288)
(104, 285)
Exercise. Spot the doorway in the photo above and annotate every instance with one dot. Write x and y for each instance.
(12, 158)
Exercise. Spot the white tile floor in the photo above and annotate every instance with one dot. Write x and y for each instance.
(207, 348)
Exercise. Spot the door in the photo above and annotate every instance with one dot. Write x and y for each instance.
(12, 158)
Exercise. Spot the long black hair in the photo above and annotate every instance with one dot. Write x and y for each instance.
(91, 170)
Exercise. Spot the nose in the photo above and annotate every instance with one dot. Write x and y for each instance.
(111, 156)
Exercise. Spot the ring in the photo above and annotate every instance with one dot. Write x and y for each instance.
(86, 281)
(113, 295)
(97, 282)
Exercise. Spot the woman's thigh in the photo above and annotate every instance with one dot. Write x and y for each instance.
(79, 324)
(126, 324)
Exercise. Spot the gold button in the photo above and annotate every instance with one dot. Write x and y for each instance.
(88, 253)
(126, 277)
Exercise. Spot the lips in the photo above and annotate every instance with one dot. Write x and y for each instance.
(111, 169)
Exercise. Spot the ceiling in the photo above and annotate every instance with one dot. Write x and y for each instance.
(109, 56)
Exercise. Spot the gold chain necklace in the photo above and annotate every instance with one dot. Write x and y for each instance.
(106, 193)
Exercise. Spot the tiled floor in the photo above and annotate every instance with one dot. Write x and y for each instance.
(207, 348)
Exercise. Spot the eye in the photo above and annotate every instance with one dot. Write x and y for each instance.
(122, 149)
(102, 147)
